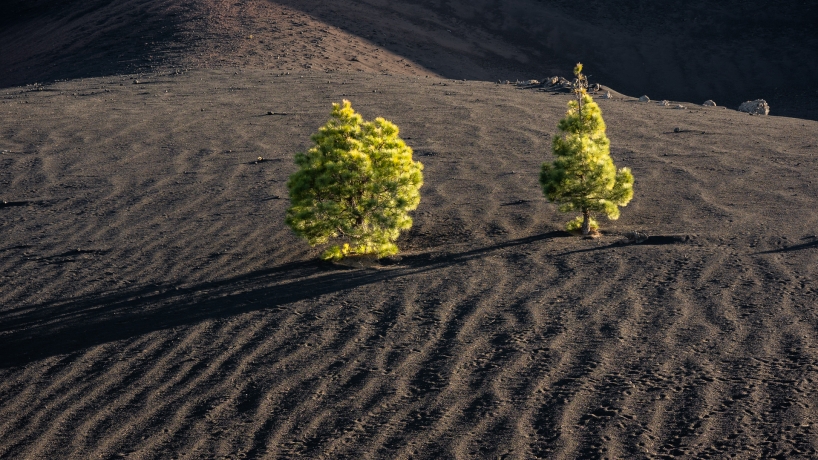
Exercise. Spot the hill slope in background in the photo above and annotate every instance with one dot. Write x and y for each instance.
(730, 51)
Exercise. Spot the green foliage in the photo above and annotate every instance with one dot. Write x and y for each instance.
(583, 177)
(357, 183)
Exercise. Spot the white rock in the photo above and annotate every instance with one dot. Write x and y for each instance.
(756, 107)
(679, 107)
(664, 103)
(644, 99)
(607, 95)
(709, 103)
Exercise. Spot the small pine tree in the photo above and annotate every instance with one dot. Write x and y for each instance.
(583, 177)
(357, 183)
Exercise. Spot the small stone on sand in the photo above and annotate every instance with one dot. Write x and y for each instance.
(756, 107)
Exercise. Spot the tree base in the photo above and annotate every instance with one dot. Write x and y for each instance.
(593, 234)
(358, 261)
(575, 226)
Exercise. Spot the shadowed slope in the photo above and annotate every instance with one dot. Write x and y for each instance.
(43, 40)
(730, 51)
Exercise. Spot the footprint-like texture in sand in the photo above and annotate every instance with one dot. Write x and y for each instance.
(154, 304)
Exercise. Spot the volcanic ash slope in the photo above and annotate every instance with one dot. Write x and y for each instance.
(154, 304)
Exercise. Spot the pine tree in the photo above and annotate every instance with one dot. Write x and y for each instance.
(357, 184)
(583, 177)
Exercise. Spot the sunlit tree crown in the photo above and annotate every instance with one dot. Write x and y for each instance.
(356, 185)
(583, 176)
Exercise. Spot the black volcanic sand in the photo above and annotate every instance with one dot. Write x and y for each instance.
(154, 304)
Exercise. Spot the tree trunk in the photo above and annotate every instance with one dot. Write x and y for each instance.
(586, 222)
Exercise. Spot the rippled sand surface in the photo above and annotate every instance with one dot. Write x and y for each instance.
(154, 304)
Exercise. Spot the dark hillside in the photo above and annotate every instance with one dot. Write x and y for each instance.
(688, 51)
(41, 40)
(728, 51)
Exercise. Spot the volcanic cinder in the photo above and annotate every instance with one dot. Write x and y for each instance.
(153, 304)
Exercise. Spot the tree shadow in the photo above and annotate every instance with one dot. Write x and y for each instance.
(797, 247)
(59, 327)
(594, 249)
(655, 240)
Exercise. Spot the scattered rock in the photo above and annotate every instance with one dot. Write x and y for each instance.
(528, 83)
(607, 95)
(636, 237)
(644, 99)
(664, 103)
(677, 130)
(670, 239)
(679, 106)
(556, 84)
(136, 82)
(709, 103)
(756, 107)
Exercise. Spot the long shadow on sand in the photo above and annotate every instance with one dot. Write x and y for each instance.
(797, 247)
(656, 240)
(59, 327)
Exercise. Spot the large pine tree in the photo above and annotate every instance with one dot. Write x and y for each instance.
(583, 177)
(357, 184)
